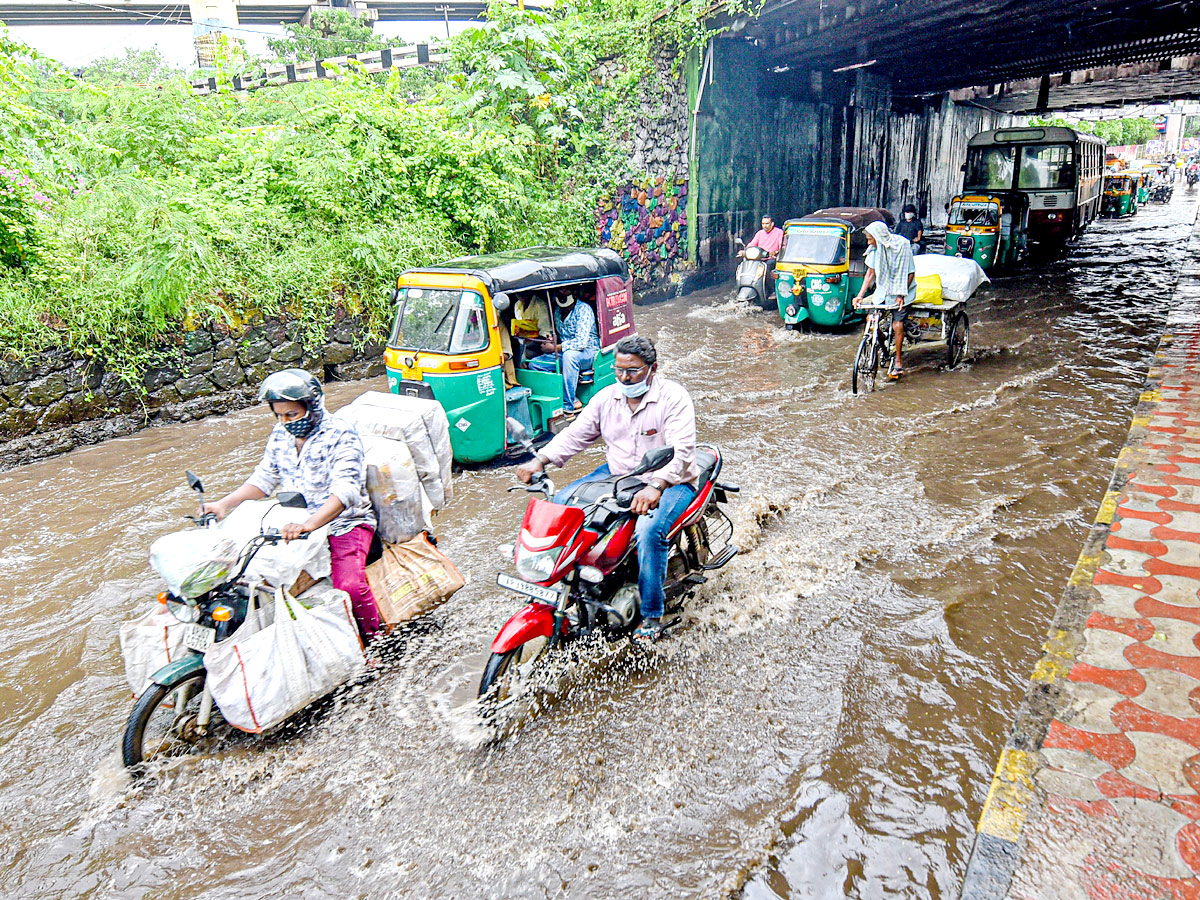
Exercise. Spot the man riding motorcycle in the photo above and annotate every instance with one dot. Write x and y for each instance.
(637, 414)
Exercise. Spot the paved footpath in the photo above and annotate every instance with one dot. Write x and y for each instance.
(1097, 792)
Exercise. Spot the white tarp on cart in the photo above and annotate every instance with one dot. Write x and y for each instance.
(960, 277)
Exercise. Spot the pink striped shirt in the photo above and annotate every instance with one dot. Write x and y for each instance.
(665, 416)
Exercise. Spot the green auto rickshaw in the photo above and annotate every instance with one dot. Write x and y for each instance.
(990, 228)
(822, 265)
(1120, 196)
(466, 330)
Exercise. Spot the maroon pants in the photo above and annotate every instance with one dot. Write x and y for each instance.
(349, 560)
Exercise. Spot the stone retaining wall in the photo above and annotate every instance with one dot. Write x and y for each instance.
(61, 400)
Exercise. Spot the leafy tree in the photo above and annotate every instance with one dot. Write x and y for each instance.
(135, 67)
(1116, 132)
(331, 32)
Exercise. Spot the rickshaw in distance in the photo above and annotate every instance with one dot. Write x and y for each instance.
(465, 331)
(1120, 196)
(1142, 177)
(822, 265)
(990, 228)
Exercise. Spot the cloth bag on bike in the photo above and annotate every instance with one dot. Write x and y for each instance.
(148, 643)
(260, 676)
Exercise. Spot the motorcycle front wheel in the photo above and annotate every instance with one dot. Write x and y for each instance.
(506, 672)
(163, 721)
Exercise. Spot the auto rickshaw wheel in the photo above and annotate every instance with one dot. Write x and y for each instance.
(958, 341)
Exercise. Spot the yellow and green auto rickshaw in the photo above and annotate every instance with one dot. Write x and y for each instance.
(821, 265)
(465, 331)
(1144, 177)
(1120, 196)
(989, 228)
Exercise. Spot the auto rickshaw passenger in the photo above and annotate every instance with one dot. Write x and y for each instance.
(576, 349)
(890, 268)
(531, 322)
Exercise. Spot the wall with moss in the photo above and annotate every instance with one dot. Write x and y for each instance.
(60, 400)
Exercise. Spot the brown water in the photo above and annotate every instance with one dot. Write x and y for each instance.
(825, 726)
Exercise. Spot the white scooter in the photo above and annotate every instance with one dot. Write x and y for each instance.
(755, 276)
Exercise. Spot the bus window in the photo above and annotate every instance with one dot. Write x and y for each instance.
(1048, 167)
(990, 168)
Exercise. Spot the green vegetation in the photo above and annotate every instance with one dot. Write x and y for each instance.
(128, 210)
(1116, 132)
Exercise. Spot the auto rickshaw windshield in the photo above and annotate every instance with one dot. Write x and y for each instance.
(974, 212)
(821, 245)
(440, 320)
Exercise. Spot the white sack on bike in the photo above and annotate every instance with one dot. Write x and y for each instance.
(148, 643)
(282, 563)
(195, 561)
(961, 277)
(395, 490)
(421, 424)
(261, 677)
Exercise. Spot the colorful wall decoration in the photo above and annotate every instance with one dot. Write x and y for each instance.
(646, 222)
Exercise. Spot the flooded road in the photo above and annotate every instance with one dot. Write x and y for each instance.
(825, 725)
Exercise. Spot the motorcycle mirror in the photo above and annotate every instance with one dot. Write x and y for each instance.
(739, 242)
(194, 482)
(293, 500)
(501, 302)
(654, 459)
(516, 431)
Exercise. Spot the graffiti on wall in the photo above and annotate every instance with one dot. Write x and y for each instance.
(646, 222)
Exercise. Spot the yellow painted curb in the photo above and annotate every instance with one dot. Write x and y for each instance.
(1151, 396)
(1058, 654)
(1085, 569)
(1108, 508)
(1005, 809)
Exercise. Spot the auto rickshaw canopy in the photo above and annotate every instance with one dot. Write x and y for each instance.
(531, 268)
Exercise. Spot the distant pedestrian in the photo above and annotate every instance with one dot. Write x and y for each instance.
(911, 227)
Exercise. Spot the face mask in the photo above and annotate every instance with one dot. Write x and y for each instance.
(909, 216)
(302, 428)
(637, 389)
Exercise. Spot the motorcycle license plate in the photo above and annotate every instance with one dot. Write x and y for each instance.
(545, 594)
(199, 637)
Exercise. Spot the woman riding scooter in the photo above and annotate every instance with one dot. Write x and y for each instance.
(321, 456)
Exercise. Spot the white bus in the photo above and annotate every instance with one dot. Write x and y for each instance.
(1060, 169)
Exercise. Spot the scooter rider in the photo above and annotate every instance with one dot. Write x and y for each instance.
(321, 456)
(637, 414)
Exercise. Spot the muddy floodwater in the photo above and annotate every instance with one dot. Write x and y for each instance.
(824, 725)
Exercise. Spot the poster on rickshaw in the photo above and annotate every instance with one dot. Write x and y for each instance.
(614, 305)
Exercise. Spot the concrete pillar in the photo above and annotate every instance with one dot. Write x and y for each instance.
(209, 17)
(1043, 100)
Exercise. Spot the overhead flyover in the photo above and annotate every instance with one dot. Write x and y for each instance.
(252, 12)
(926, 47)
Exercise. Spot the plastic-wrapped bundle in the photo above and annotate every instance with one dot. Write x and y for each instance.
(960, 277)
(420, 424)
(195, 561)
(282, 563)
(394, 489)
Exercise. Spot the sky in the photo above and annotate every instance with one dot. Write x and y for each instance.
(78, 45)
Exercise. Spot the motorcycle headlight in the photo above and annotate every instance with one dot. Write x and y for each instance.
(536, 565)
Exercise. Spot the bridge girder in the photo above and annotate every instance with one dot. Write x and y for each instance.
(930, 46)
(253, 12)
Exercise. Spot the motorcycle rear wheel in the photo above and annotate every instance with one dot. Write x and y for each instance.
(159, 728)
(506, 671)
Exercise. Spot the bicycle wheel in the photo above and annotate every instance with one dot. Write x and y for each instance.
(866, 365)
(958, 341)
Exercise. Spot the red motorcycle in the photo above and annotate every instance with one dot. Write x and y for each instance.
(577, 561)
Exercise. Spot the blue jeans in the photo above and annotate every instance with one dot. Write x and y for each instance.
(652, 543)
(573, 362)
